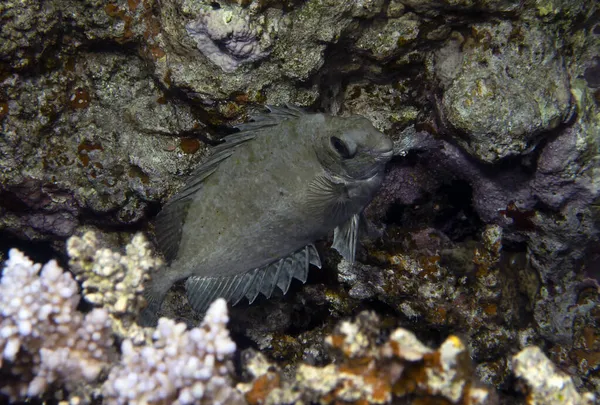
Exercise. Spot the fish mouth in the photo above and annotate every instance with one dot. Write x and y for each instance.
(385, 156)
(382, 153)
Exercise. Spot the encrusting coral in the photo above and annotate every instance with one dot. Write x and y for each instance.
(547, 385)
(228, 38)
(112, 280)
(43, 337)
(371, 373)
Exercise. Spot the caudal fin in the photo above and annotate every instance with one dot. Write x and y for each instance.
(154, 293)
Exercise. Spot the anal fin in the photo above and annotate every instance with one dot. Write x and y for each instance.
(202, 291)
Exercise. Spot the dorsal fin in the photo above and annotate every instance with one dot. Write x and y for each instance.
(231, 141)
(170, 220)
(275, 116)
(201, 291)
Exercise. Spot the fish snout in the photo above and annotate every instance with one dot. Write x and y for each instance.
(385, 149)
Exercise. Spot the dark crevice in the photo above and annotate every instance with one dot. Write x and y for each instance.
(449, 210)
(37, 251)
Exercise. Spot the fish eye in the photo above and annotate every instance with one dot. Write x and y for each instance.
(340, 147)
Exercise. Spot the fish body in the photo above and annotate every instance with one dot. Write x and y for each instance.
(246, 220)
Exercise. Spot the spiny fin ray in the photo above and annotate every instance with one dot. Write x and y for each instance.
(345, 237)
(201, 291)
(275, 116)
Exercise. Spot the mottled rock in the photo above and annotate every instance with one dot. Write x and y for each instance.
(435, 7)
(89, 138)
(28, 29)
(386, 106)
(494, 103)
(386, 38)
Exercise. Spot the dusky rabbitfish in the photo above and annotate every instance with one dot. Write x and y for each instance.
(246, 220)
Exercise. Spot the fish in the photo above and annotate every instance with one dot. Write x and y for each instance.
(246, 221)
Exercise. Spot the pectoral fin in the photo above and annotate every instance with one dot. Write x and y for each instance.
(345, 237)
(170, 220)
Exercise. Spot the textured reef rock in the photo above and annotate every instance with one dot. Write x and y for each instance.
(488, 219)
(499, 94)
(368, 372)
(73, 130)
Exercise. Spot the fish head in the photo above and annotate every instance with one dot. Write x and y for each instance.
(352, 148)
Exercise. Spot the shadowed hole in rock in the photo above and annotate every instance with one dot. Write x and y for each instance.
(38, 252)
(450, 210)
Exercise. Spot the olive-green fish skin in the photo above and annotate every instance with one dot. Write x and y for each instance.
(291, 184)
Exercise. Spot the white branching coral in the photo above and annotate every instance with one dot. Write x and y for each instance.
(43, 338)
(112, 280)
(180, 367)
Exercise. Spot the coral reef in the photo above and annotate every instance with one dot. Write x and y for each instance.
(114, 281)
(180, 367)
(43, 337)
(47, 344)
